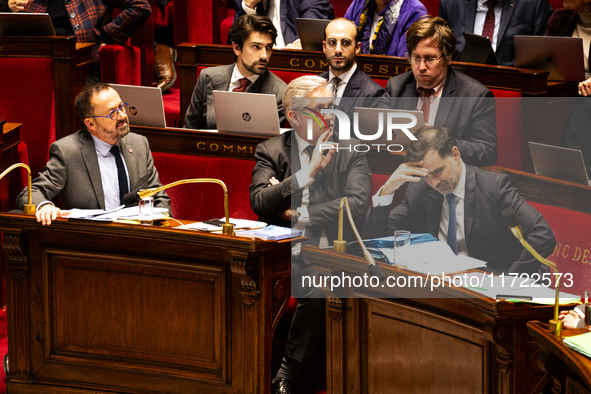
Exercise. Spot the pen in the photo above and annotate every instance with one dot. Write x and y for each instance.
(514, 297)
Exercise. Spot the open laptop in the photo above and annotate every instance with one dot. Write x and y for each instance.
(560, 163)
(25, 24)
(368, 121)
(311, 32)
(146, 107)
(561, 56)
(478, 49)
(246, 113)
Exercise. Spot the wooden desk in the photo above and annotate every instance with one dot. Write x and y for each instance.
(570, 370)
(441, 341)
(136, 309)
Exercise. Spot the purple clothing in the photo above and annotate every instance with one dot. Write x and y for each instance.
(410, 11)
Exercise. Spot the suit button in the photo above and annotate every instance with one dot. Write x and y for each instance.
(77, 27)
(72, 15)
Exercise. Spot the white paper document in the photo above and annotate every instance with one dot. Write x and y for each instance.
(239, 224)
(120, 213)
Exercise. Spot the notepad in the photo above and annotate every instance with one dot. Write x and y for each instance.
(273, 233)
(580, 343)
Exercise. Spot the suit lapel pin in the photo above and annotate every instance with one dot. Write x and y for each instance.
(130, 150)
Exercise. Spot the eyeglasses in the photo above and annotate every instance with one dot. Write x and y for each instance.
(114, 113)
(429, 61)
(331, 43)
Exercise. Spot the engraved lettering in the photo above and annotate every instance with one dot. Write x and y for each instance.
(585, 257)
(295, 62)
(242, 149)
(383, 69)
(323, 63)
(310, 63)
(228, 148)
(201, 145)
(579, 252)
(565, 250)
(367, 68)
(214, 147)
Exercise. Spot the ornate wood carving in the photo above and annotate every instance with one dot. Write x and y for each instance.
(248, 287)
(334, 307)
(17, 260)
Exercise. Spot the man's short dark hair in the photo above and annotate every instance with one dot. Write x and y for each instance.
(435, 28)
(430, 138)
(358, 33)
(246, 24)
(82, 102)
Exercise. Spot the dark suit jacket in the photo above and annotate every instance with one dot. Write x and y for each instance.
(487, 236)
(562, 23)
(467, 109)
(73, 172)
(201, 113)
(347, 175)
(290, 10)
(527, 17)
(359, 87)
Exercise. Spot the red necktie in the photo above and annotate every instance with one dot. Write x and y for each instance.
(244, 82)
(488, 30)
(426, 93)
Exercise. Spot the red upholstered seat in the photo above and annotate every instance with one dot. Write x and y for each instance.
(508, 128)
(573, 252)
(31, 103)
(172, 107)
(121, 64)
(432, 6)
(205, 201)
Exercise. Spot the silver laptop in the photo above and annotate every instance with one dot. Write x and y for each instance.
(246, 113)
(146, 107)
(311, 32)
(558, 162)
(561, 56)
(25, 24)
(369, 118)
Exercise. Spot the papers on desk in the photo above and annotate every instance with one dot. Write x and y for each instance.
(119, 213)
(272, 233)
(522, 288)
(435, 258)
(239, 224)
(580, 343)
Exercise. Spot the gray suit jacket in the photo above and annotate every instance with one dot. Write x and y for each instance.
(73, 172)
(487, 237)
(201, 113)
(467, 109)
(525, 17)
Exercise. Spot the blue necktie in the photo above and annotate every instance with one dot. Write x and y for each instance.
(121, 175)
(452, 241)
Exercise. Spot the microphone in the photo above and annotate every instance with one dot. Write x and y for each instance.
(512, 221)
(340, 245)
(29, 207)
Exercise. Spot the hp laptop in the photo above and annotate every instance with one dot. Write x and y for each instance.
(146, 107)
(311, 32)
(369, 118)
(25, 24)
(558, 162)
(478, 49)
(561, 56)
(246, 113)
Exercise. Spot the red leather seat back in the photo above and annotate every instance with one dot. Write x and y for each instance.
(121, 64)
(508, 128)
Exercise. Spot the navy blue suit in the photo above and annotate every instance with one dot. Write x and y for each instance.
(525, 17)
(290, 10)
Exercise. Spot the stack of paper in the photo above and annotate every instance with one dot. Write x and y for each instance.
(238, 225)
(580, 343)
(119, 213)
(274, 233)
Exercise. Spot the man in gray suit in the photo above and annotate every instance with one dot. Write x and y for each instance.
(447, 98)
(253, 37)
(95, 167)
(461, 205)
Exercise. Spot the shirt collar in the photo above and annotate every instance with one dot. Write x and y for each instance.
(302, 143)
(236, 75)
(346, 76)
(102, 147)
(460, 190)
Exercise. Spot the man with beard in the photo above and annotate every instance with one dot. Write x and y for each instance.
(341, 47)
(253, 37)
(461, 205)
(95, 167)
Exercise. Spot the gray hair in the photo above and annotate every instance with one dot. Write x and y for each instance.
(301, 87)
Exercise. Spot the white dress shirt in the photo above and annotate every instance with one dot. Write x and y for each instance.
(108, 170)
(237, 76)
(481, 11)
(273, 13)
(585, 34)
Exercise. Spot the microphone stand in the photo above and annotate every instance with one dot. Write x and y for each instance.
(28, 208)
(227, 228)
(340, 245)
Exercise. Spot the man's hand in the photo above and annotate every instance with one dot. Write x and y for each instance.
(319, 161)
(47, 213)
(585, 87)
(569, 318)
(17, 5)
(297, 44)
(407, 172)
(286, 215)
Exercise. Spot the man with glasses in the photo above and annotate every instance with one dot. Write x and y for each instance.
(345, 79)
(95, 167)
(447, 98)
(295, 183)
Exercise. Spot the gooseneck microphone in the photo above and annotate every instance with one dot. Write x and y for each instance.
(512, 221)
